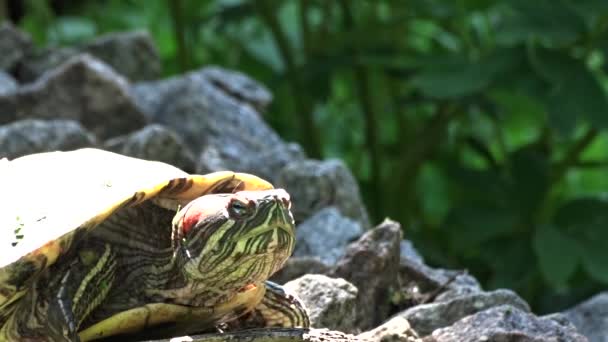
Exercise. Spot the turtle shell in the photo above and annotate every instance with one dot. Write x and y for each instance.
(46, 198)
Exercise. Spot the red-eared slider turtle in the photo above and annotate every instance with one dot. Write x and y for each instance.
(96, 244)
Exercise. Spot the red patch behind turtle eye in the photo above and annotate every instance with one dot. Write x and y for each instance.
(191, 218)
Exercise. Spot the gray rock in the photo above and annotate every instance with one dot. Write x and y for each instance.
(459, 284)
(371, 264)
(226, 132)
(432, 284)
(240, 86)
(154, 142)
(296, 267)
(37, 62)
(32, 136)
(264, 163)
(409, 254)
(506, 323)
(330, 302)
(397, 329)
(131, 54)
(7, 83)
(314, 185)
(591, 317)
(82, 89)
(14, 44)
(426, 318)
(326, 235)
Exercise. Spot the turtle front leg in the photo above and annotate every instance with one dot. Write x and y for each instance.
(61, 298)
(277, 309)
(81, 288)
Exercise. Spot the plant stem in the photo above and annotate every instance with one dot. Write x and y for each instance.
(416, 151)
(3, 11)
(176, 13)
(573, 155)
(309, 133)
(305, 26)
(364, 93)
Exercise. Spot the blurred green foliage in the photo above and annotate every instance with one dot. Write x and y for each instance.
(479, 124)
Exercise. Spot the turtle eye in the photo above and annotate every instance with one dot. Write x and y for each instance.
(239, 209)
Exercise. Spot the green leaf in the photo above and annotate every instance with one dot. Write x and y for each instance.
(586, 220)
(529, 178)
(582, 213)
(454, 76)
(72, 30)
(558, 255)
(575, 92)
(595, 259)
(550, 21)
(470, 227)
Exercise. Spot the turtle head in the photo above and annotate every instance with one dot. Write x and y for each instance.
(230, 240)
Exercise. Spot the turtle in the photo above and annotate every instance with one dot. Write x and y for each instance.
(100, 245)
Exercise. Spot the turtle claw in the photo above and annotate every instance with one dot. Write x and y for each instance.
(277, 309)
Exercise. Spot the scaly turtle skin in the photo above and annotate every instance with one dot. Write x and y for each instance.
(95, 244)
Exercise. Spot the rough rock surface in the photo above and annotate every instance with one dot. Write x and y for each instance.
(131, 54)
(397, 329)
(32, 136)
(428, 317)
(591, 317)
(506, 324)
(265, 162)
(314, 185)
(154, 142)
(409, 254)
(14, 44)
(240, 86)
(39, 61)
(433, 284)
(326, 235)
(296, 267)
(376, 253)
(82, 89)
(330, 302)
(7, 83)
(226, 132)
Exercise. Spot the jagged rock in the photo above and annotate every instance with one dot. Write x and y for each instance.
(591, 317)
(330, 302)
(371, 264)
(326, 235)
(397, 329)
(82, 89)
(32, 136)
(270, 335)
(226, 132)
(506, 323)
(154, 142)
(296, 267)
(314, 185)
(240, 86)
(131, 54)
(14, 44)
(426, 318)
(7, 83)
(37, 62)
(432, 284)
(409, 254)
(264, 163)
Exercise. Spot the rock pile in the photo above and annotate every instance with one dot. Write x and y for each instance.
(355, 278)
